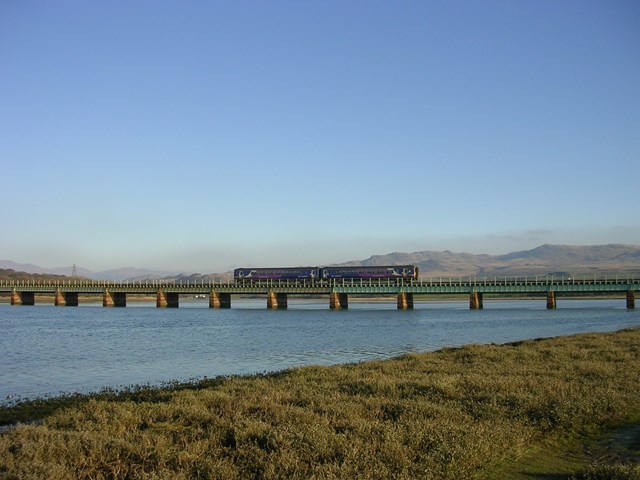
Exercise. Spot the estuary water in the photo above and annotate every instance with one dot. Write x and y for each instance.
(47, 350)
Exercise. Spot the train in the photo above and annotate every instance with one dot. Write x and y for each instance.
(395, 272)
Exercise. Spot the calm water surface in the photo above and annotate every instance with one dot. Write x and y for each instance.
(47, 350)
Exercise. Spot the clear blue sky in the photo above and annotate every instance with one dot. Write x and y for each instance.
(204, 135)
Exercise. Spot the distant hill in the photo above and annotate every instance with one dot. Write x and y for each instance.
(118, 274)
(130, 273)
(543, 260)
(8, 274)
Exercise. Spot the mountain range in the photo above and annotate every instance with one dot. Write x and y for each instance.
(543, 260)
(118, 274)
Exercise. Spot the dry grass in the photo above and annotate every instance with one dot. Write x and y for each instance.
(456, 413)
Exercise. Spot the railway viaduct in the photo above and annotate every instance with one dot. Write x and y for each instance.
(167, 294)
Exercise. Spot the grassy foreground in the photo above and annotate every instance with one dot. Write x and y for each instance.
(458, 413)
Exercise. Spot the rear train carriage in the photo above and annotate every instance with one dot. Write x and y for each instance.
(394, 272)
(294, 273)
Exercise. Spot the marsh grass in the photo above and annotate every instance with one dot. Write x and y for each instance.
(622, 471)
(456, 413)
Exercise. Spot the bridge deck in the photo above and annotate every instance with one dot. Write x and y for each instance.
(427, 286)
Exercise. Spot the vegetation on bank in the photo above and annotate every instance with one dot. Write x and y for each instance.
(470, 412)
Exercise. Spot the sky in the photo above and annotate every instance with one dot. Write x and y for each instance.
(201, 136)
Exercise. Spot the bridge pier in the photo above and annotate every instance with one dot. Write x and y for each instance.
(114, 299)
(276, 301)
(551, 300)
(631, 300)
(405, 301)
(475, 301)
(167, 300)
(60, 300)
(66, 299)
(219, 300)
(338, 301)
(23, 298)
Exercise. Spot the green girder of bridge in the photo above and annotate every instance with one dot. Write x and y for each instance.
(430, 286)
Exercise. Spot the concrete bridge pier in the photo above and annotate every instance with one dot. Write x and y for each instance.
(22, 298)
(60, 301)
(338, 301)
(405, 301)
(551, 300)
(114, 299)
(475, 301)
(66, 299)
(219, 300)
(167, 300)
(631, 300)
(276, 301)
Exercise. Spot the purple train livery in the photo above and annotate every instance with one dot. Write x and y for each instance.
(294, 273)
(407, 272)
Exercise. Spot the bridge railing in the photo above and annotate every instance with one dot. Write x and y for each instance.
(109, 283)
(307, 283)
(530, 280)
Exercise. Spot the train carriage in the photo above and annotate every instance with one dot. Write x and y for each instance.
(393, 272)
(407, 272)
(293, 273)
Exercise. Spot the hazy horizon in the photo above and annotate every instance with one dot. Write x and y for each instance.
(210, 135)
(4, 263)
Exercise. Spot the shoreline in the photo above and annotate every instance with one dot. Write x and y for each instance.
(484, 406)
(112, 391)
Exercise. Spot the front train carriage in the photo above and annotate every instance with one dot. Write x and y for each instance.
(256, 274)
(406, 272)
